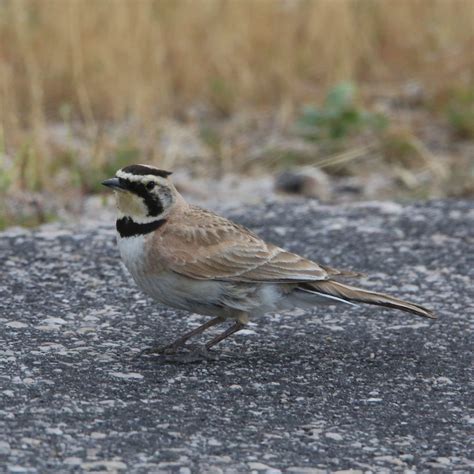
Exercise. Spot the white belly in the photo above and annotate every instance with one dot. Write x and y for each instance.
(167, 287)
(200, 296)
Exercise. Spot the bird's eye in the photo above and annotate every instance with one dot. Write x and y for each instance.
(150, 185)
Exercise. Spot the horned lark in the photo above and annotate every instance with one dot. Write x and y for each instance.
(192, 259)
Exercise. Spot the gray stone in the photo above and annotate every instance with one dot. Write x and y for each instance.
(4, 448)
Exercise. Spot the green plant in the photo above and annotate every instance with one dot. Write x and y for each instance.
(90, 176)
(28, 163)
(221, 95)
(125, 154)
(17, 211)
(339, 117)
(211, 137)
(460, 112)
(5, 181)
(399, 147)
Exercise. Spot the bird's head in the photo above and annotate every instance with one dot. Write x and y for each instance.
(143, 192)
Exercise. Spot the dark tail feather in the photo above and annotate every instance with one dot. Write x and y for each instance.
(358, 295)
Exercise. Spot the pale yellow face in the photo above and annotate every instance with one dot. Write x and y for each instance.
(130, 204)
(143, 193)
(143, 197)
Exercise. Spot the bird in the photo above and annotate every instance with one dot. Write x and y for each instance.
(192, 259)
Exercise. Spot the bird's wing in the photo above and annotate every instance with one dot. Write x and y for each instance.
(214, 248)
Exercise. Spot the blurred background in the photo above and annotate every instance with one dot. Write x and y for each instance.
(243, 99)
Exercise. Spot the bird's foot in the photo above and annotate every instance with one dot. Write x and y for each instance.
(195, 355)
(170, 353)
(158, 350)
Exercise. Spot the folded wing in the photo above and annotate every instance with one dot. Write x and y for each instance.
(215, 248)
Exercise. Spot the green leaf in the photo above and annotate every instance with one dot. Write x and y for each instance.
(340, 97)
(338, 117)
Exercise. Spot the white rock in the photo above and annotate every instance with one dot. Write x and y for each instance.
(443, 381)
(55, 431)
(129, 376)
(46, 327)
(306, 470)
(258, 466)
(16, 325)
(110, 466)
(55, 321)
(18, 469)
(214, 442)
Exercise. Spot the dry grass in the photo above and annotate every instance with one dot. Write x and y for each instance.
(103, 62)
(115, 58)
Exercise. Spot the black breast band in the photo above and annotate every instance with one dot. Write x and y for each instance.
(127, 227)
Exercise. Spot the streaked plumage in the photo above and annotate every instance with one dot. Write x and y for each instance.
(190, 258)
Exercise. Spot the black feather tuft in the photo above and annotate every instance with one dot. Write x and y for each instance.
(142, 170)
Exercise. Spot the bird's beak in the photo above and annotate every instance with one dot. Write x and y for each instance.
(115, 184)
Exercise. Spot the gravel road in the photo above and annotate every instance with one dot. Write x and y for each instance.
(328, 390)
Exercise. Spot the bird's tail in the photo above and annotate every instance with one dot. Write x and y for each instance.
(350, 294)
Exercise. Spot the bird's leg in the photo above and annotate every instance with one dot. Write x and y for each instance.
(200, 354)
(174, 346)
(220, 337)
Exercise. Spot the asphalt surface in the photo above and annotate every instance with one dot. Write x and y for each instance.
(334, 389)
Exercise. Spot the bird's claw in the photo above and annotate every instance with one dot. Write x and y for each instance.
(155, 351)
(170, 354)
(198, 354)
